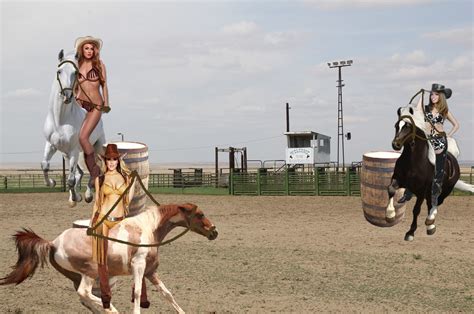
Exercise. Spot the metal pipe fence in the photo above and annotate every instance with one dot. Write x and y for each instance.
(319, 181)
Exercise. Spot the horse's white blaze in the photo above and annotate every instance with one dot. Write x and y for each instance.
(418, 117)
(390, 213)
(401, 124)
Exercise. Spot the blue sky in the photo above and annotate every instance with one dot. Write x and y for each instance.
(185, 77)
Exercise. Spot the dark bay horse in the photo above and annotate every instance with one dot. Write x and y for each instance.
(71, 252)
(414, 171)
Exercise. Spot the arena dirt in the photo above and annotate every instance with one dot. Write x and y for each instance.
(273, 254)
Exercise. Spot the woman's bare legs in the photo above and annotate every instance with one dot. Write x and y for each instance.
(88, 126)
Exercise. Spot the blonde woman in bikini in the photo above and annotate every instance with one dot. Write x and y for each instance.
(92, 78)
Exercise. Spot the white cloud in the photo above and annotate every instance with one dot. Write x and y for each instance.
(240, 28)
(417, 56)
(346, 4)
(23, 93)
(456, 35)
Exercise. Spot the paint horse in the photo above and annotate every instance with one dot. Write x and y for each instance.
(414, 170)
(71, 253)
(62, 125)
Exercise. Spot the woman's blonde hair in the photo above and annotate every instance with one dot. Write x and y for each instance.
(95, 59)
(441, 105)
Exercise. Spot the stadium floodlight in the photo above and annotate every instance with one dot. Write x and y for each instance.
(340, 118)
(121, 134)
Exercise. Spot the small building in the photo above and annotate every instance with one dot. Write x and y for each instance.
(307, 147)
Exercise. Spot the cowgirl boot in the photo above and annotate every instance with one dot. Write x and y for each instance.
(436, 187)
(105, 293)
(144, 303)
(94, 170)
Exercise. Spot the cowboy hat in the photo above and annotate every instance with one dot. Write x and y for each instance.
(441, 89)
(111, 152)
(88, 39)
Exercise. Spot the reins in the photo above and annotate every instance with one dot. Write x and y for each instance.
(413, 133)
(134, 175)
(442, 134)
(63, 90)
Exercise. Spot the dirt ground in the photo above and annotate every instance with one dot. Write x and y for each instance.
(273, 254)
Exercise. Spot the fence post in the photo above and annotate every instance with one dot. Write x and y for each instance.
(231, 183)
(19, 181)
(259, 188)
(287, 183)
(316, 181)
(5, 182)
(347, 181)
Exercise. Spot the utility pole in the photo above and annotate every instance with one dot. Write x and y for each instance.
(340, 113)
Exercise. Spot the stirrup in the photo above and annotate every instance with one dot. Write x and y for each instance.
(405, 198)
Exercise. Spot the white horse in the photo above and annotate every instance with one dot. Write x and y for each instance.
(71, 252)
(62, 125)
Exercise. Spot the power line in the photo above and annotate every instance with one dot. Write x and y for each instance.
(166, 149)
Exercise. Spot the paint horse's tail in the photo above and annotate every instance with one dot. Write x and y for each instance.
(463, 186)
(32, 251)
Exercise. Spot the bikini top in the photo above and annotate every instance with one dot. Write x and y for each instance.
(93, 75)
(434, 118)
(108, 189)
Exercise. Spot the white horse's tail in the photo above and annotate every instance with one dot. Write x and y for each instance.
(463, 186)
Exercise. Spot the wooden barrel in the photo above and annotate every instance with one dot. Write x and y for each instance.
(81, 223)
(376, 174)
(136, 158)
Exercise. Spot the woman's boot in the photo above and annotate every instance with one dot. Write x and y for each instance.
(93, 168)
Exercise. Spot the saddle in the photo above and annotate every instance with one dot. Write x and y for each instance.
(452, 148)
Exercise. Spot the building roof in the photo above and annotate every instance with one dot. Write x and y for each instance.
(306, 133)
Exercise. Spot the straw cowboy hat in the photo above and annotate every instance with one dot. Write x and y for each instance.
(88, 39)
(111, 152)
(441, 89)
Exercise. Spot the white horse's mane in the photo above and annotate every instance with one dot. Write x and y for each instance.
(417, 116)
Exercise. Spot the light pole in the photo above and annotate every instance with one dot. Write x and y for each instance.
(340, 116)
(121, 134)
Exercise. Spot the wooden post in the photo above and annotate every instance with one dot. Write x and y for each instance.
(64, 175)
(217, 167)
(244, 163)
(231, 160)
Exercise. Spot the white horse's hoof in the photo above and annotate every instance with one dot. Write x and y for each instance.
(88, 199)
(51, 183)
(72, 204)
(409, 237)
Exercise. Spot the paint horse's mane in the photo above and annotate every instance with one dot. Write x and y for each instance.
(417, 116)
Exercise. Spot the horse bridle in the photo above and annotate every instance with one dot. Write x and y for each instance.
(412, 133)
(63, 90)
(134, 175)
